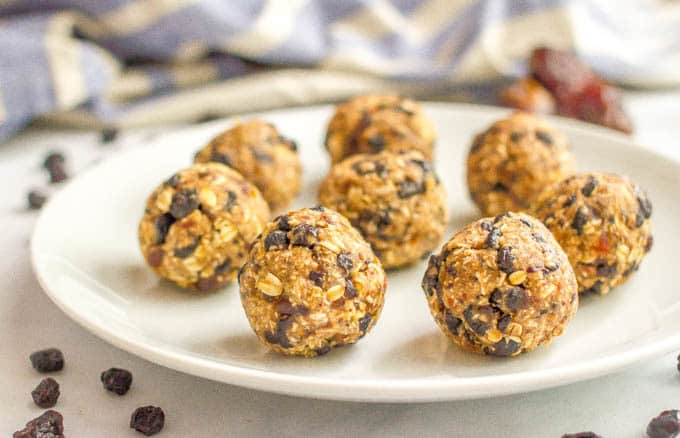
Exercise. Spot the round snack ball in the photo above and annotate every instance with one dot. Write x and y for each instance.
(198, 224)
(372, 123)
(394, 199)
(511, 162)
(311, 283)
(602, 222)
(262, 155)
(501, 286)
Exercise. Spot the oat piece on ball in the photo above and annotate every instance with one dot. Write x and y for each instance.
(311, 283)
(373, 123)
(501, 286)
(511, 162)
(262, 155)
(198, 224)
(603, 223)
(394, 199)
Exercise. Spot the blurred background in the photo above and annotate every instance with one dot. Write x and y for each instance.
(124, 63)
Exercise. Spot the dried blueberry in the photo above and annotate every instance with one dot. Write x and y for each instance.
(57, 173)
(544, 137)
(350, 290)
(323, 350)
(431, 278)
(570, 201)
(516, 298)
(604, 270)
(155, 257)
(47, 361)
(108, 135)
(486, 225)
(186, 251)
(49, 425)
(665, 425)
(505, 347)
(587, 189)
(493, 238)
(116, 380)
(580, 220)
(149, 420)
(219, 157)
(452, 322)
(595, 289)
(46, 393)
(285, 309)
(516, 136)
(231, 200)
(473, 320)
(410, 188)
(364, 322)
(316, 277)
(36, 200)
(376, 143)
(282, 223)
(503, 322)
(277, 239)
(344, 260)
(506, 260)
(223, 267)
(304, 235)
(184, 202)
(173, 181)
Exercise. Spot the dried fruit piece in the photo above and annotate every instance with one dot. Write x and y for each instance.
(116, 380)
(665, 425)
(46, 393)
(36, 200)
(47, 361)
(148, 420)
(49, 425)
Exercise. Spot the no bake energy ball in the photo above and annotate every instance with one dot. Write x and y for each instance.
(511, 162)
(603, 223)
(198, 224)
(311, 283)
(394, 199)
(262, 155)
(373, 123)
(501, 286)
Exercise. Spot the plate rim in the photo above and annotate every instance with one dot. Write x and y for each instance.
(365, 390)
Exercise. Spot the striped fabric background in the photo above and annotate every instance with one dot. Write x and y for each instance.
(132, 62)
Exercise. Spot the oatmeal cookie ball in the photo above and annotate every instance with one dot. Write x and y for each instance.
(603, 223)
(372, 123)
(311, 283)
(501, 286)
(262, 155)
(511, 162)
(394, 199)
(198, 224)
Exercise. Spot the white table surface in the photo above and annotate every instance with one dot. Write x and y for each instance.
(619, 405)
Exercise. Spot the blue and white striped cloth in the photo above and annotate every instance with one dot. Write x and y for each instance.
(133, 62)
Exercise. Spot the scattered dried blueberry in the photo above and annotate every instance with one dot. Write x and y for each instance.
(47, 361)
(350, 290)
(186, 251)
(503, 322)
(304, 235)
(316, 277)
(282, 223)
(162, 225)
(277, 239)
(149, 420)
(516, 298)
(604, 270)
(580, 220)
(116, 380)
(49, 425)
(36, 200)
(46, 393)
(544, 137)
(364, 322)
(452, 323)
(505, 347)
(344, 260)
(377, 143)
(184, 202)
(506, 260)
(219, 157)
(108, 135)
(478, 325)
(665, 425)
(173, 181)
(231, 200)
(493, 238)
(587, 189)
(581, 435)
(57, 173)
(284, 308)
(410, 188)
(570, 201)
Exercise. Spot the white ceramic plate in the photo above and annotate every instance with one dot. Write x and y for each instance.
(86, 257)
